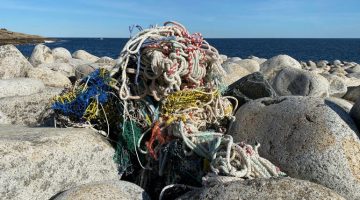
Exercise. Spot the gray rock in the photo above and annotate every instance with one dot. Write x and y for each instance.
(259, 189)
(339, 71)
(338, 86)
(223, 57)
(257, 59)
(355, 114)
(37, 163)
(49, 77)
(31, 110)
(106, 62)
(105, 190)
(250, 65)
(4, 119)
(12, 62)
(234, 72)
(292, 81)
(322, 63)
(20, 87)
(352, 94)
(351, 82)
(83, 55)
(344, 104)
(233, 59)
(82, 71)
(311, 64)
(65, 68)
(354, 75)
(61, 53)
(308, 138)
(355, 69)
(337, 62)
(252, 86)
(41, 54)
(272, 66)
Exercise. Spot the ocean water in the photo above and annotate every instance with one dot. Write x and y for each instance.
(300, 49)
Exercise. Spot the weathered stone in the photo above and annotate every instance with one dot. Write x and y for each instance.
(272, 66)
(258, 60)
(338, 70)
(61, 53)
(322, 63)
(250, 65)
(337, 62)
(20, 87)
(12, 62)
(351, 82)
(292, 81)
(308, 138)
(354, 75)
(106, 62)
(83, 55)
(105, 190)
(49, 77)
(31, 110)
(223, 57)
(344, 104)
(259, 189)
(233, 59)
(37, 163)
(252, 86)
(338, 86)
(355, 114)
(311, 64)
(234, 72)
(65, 68)
(352, 94)
(355, 69)
(82, 71)
(41, 54)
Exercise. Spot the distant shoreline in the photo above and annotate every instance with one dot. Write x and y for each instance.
(9, 37)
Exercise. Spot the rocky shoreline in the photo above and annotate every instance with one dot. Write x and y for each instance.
(306, 116)
(10, 37)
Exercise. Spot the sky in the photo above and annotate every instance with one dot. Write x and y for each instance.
(213, 18)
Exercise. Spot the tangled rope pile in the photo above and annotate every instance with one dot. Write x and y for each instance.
(163, 102)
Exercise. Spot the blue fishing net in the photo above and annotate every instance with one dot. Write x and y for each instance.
(97, 89)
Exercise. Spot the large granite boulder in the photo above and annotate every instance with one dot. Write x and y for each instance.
(260, 189)
(30, 110)
(41, 54)
(65, 68)
(234, 72)
(105, 190)
(49, 77)
(20, 87)
(37, 163)
(299, 82)
(61, 53)
(308, 138)
(12, 62)
(271, 67)
(337, 86)
(249, 64)
(83, 55)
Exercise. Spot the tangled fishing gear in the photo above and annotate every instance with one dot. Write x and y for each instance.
(163, 104)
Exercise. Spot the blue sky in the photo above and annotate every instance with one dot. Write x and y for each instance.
(226, 18)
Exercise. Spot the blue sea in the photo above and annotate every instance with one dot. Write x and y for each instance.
(300, 49)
